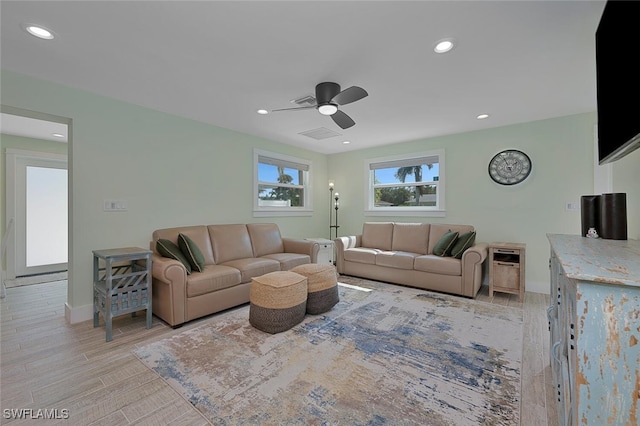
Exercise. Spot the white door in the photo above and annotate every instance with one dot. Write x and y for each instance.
(41, 224)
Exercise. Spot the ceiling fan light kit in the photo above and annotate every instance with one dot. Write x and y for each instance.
(329, 97)
(328, 109)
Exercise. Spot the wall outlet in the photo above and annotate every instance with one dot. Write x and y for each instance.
(115, 205)
(572, 206)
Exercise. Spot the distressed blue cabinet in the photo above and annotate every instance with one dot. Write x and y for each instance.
(594, 323)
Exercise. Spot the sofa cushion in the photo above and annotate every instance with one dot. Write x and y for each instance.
(438, 265)
(410, 237)
(169, 249)
(198, 233)
(265, 238)
(395, 259)
(463, 242)
(253, 267)
(212, 278)
(445, 244)
(437, 230)
(192, 252)
(230, 242)
(289, 261)
(377, 235)
(361, 255)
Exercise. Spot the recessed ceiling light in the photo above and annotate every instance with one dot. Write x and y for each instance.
(263, 111)
(444, 45)
(482, 116)
(346, 142)
(57, 135)
(38, 31)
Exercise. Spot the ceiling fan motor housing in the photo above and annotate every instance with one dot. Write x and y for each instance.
(325, 92)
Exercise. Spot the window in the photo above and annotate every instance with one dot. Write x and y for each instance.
(281, 185)
(406, 185)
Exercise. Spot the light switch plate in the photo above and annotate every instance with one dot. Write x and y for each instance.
(572, 206)
(115, 205)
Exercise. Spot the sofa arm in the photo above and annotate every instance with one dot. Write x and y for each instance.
(343, 243)
(472, 261)
(299, 245)
(169, 289)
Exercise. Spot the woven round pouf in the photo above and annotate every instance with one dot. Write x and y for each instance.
(322, 282)
(278, 301)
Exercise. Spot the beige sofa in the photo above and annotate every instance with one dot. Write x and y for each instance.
(233, 254)
(402, 253)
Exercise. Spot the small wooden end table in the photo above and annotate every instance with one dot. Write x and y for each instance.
(507, 268)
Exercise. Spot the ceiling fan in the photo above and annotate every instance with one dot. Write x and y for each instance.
(329, 97)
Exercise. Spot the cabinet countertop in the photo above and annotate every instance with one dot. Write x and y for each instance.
(597, 259)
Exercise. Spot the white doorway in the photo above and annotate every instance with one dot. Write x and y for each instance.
(37, 183)
(37, 196)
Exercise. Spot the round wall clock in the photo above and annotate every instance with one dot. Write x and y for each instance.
(509, 167)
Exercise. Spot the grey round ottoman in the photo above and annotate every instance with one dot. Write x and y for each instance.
(277, 301)
(322, 282)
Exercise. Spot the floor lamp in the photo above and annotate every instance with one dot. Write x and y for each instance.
(334, 204)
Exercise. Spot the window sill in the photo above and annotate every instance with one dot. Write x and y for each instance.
(406, 213)
(282, 213)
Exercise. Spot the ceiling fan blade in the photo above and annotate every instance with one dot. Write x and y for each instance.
(351, 94)
(294, 109)
(342, 120)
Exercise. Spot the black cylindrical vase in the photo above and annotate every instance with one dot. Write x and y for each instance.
(613, 216)
(590, 211)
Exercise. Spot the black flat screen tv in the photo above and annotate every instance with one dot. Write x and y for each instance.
(618, 80)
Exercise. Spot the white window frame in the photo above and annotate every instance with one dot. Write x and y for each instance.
(436, 211)
(271, 211)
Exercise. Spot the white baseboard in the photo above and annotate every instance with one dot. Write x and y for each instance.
(78, 314)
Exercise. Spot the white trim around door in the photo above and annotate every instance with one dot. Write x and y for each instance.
(18, 162)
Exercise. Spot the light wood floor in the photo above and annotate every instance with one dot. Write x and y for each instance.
(49, 364)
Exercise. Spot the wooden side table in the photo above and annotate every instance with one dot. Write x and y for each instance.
(121, 284)
(507, 268)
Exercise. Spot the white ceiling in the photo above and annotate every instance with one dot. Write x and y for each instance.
(220, 61)
(33, 128)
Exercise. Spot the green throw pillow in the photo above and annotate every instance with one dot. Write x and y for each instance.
(445, 244)
(464, 241)
(169, 249)
(191, 252)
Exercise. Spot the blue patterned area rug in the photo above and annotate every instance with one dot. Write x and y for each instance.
(385, 354)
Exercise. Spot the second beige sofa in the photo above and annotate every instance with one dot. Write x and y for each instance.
(403, 253)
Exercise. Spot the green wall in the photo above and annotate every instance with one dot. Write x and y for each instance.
(171, 170)
(174, 171)
(561, 150)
